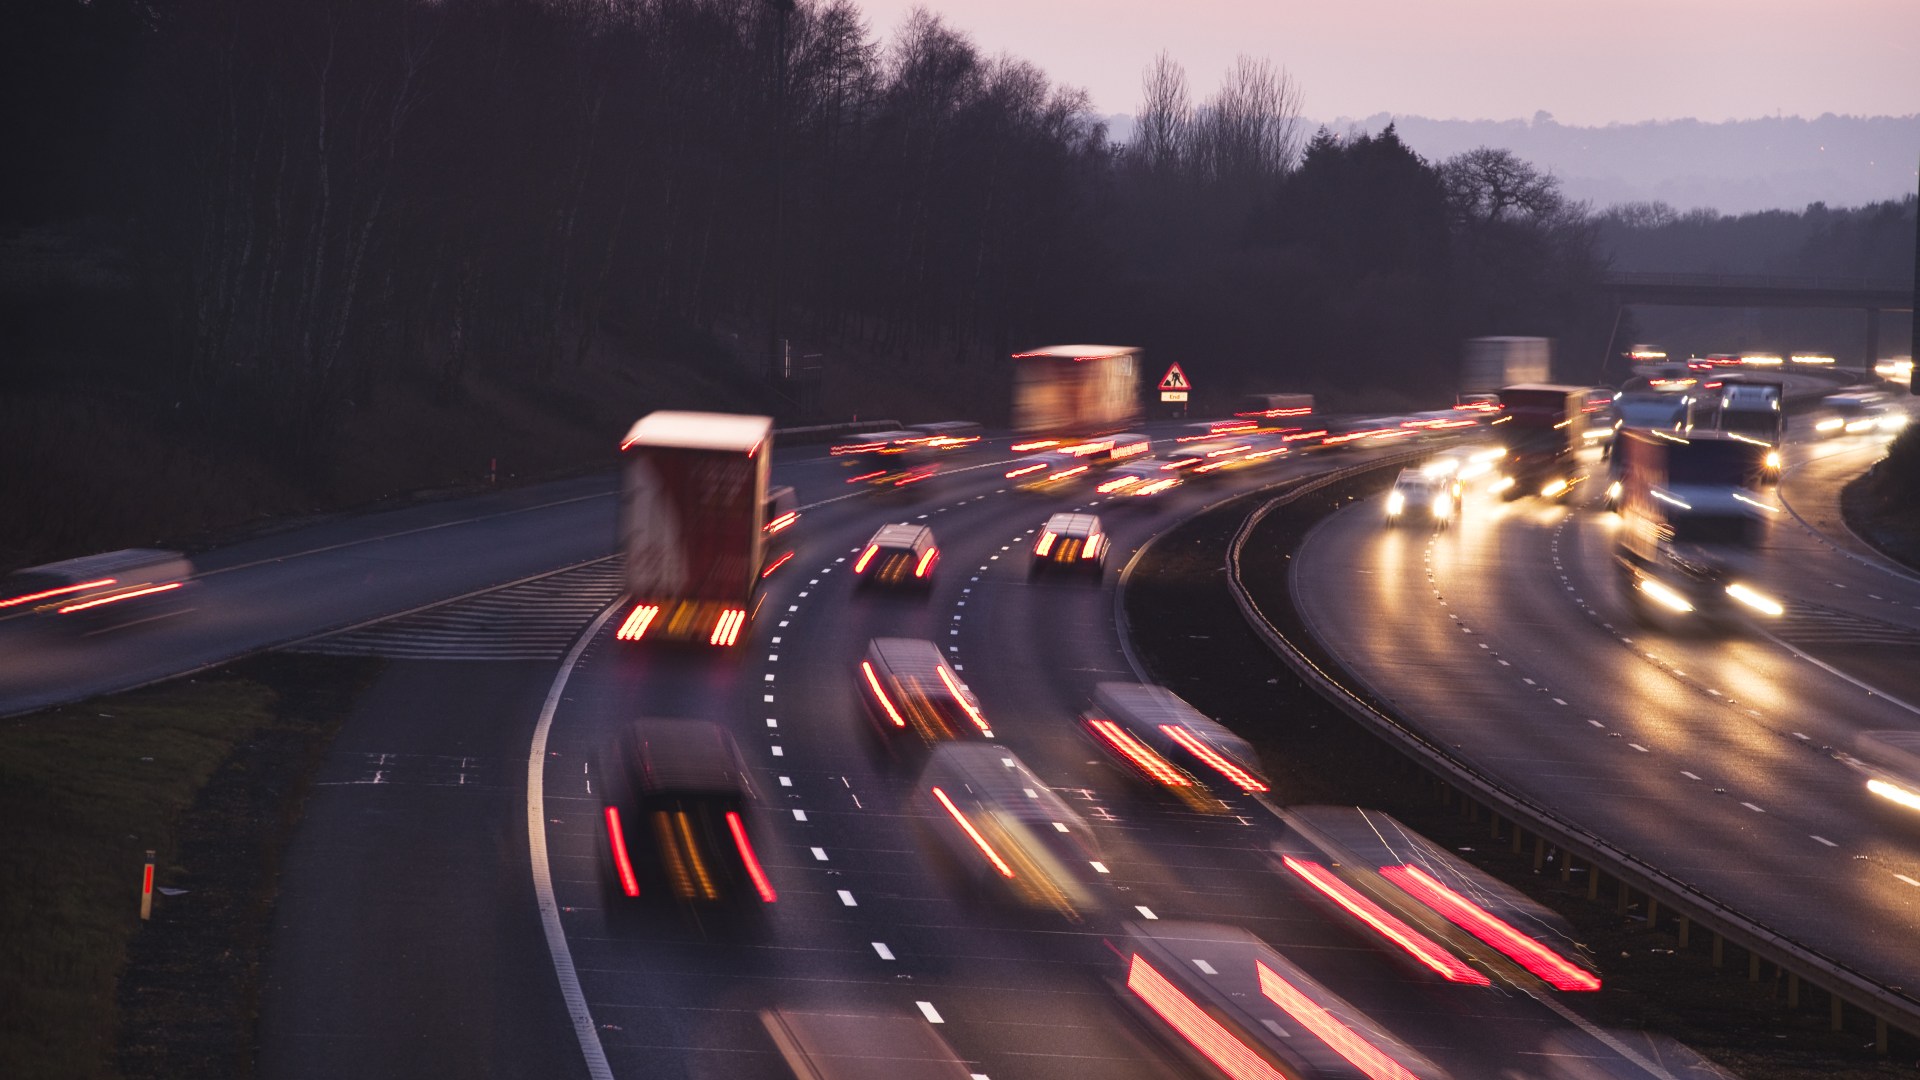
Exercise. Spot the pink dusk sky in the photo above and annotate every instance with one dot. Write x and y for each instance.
(1586, 63)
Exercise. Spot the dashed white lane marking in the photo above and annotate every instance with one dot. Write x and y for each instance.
(1753, 808)
(1596, 723)
(819, 854)
(1559, 701)
(927, 1010)
(881, 948)
(1823, 840)
(1145, 911)
(847, 898)
(779, 751)
(1688, 775)
(771, 722)
(786, 781)
(1098, 867)
(799, 815)
(1908, 880)
(1640, 748)
(1206, 967)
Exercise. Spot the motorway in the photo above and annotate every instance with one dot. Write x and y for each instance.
(1706, 755)
(415, 915)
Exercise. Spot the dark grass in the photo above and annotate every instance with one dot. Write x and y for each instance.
(204, 771)
(1191, 637)
(1882, 507)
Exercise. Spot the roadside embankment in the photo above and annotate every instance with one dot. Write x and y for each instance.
(1883, 506)
(208, 773)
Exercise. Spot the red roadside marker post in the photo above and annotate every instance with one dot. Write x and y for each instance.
(146, 890)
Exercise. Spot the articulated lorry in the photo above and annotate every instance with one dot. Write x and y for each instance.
(1072, 391)
(1691, 522)
(1489, 363)
(694, 524)
(1540, 427)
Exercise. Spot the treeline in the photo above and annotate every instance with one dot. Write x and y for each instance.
(1873, 242)
(297, 202)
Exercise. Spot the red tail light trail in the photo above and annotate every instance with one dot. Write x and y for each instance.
(926, 562)
(1345, 1041)
(874, 682)
(776, 564)
(48, 594)
(973, 834)
(1140, 754)
(1554, 969)
(617, 840)
(1418, 945)
(636, 625)
(959, 695)
(117, 597)
(1241, 778)
(1194, 1024)
(760, 883)
(727, 630)
(860, 566)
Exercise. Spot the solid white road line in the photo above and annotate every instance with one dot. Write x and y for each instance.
(563, 969)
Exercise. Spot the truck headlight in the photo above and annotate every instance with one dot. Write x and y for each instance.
(1773, 460)
(1442, 506)
(1755, 599)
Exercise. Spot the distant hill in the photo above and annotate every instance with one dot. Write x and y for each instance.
(1735, 167)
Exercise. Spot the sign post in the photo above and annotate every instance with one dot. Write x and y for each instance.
(1174, 387)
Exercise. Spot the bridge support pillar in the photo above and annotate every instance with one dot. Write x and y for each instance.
(1873, 340)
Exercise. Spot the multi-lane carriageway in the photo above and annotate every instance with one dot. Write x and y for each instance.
(1709, 755)
(471, 924)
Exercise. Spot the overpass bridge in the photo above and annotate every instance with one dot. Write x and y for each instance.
(1760, 291)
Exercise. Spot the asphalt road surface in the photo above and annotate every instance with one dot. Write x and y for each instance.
(1506, 638)
(409, 936)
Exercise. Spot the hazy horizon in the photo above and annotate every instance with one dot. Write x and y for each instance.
(1626, 62)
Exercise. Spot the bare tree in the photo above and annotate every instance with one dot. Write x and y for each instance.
(1163, 131)
(1249, 131)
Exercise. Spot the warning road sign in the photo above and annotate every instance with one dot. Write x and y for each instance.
(1175, 379)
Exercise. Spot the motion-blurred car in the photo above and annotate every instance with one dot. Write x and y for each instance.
(1208, 458)
(1071, 543)
(1418, 495)
(1858, 413)
(1167, 744)
(1008, 833)
(1047, 472)
(678, 815)
(837, 1044)
(95, 587)
(910, 691)
(898, 557)
(1139, 478)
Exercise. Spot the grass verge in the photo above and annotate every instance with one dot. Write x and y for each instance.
(1883, 506)
(205, 772)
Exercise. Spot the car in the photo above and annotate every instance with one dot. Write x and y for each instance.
(1152, 734)
(1006, 833)
(89, 591)
(911, 692)
(1141, 477)
(678, 817)
(899, 557)
(1858, 412)
(1420, 495)
(1071, 542)
(1051, 471)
